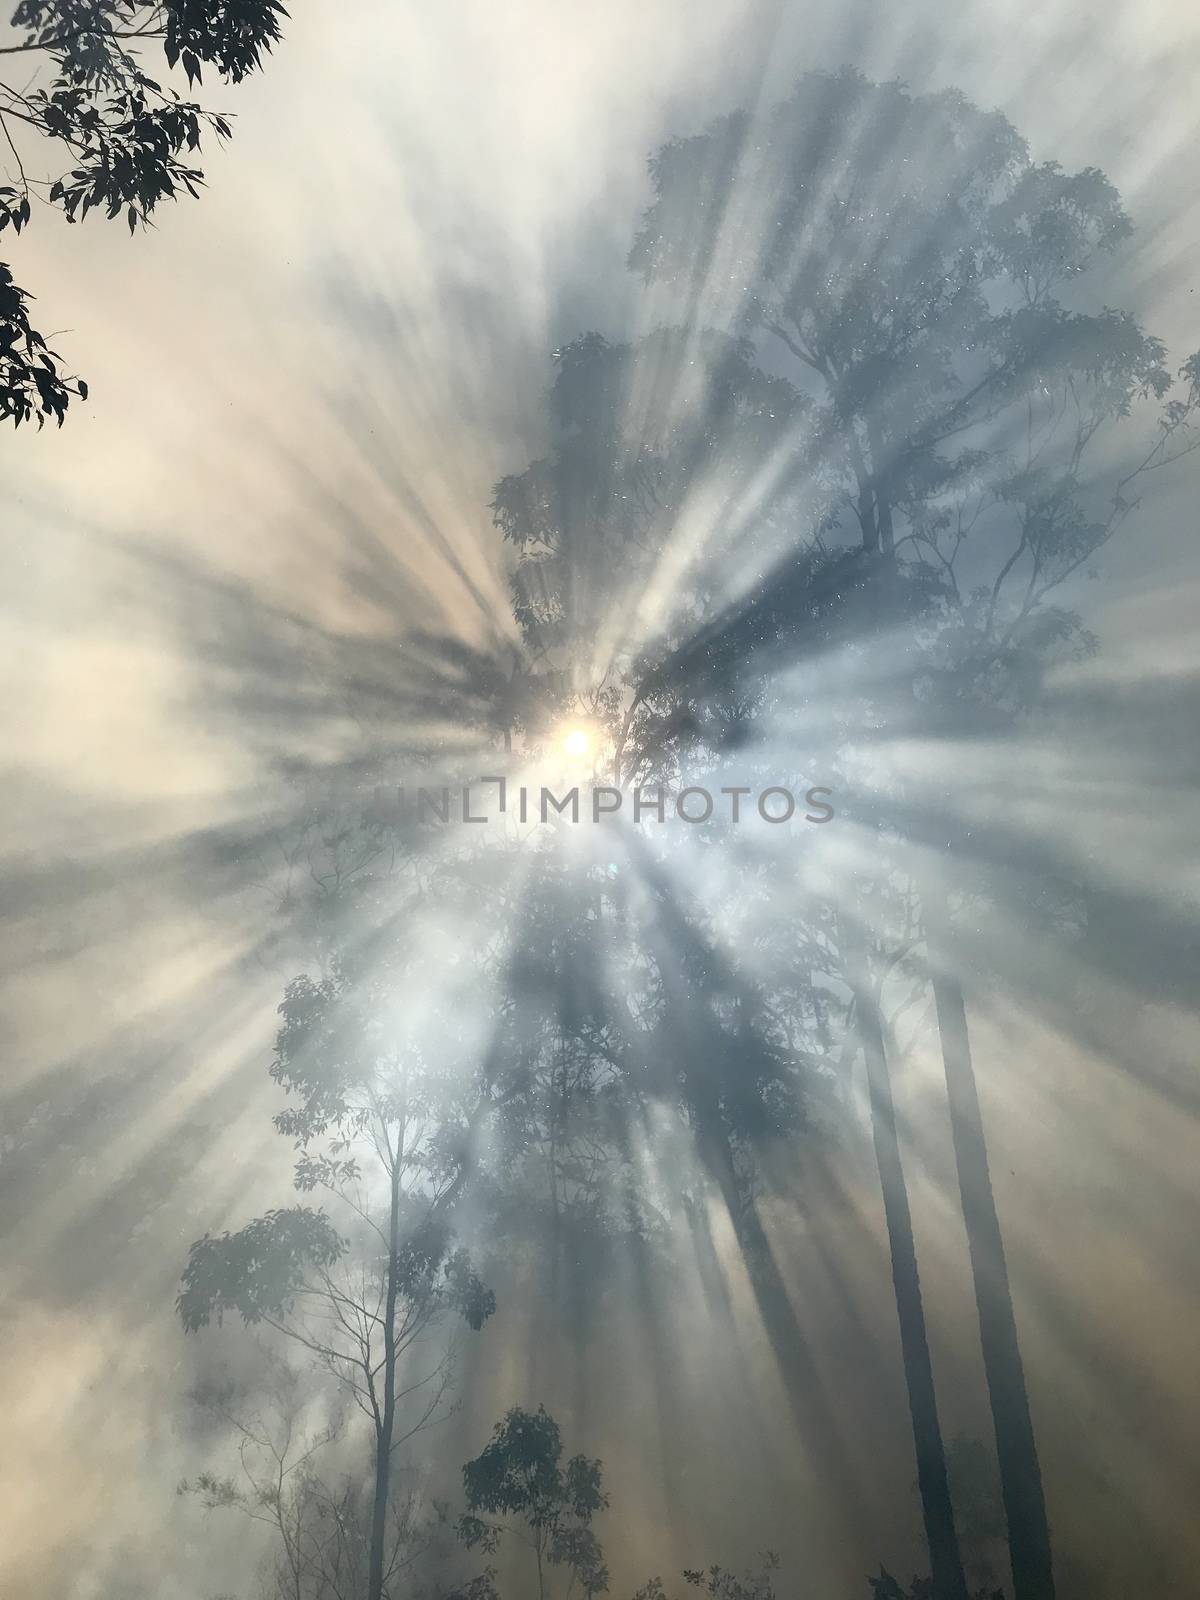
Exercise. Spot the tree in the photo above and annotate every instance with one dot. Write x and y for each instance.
(129, 142)
(906, 257)
(363, 1302)
(683, 430)
(320, 1522)
(646, 433)
(517, 1478)
(562, 1173)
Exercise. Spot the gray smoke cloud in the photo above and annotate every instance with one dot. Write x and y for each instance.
(303, 391)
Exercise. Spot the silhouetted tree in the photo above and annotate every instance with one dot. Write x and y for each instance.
(320, 1521)
(362, 1302)
(564, 1058)
(519, 1485)
(517, 1478)
(655, 442)
(907, 256)
(673, 439)
(127, 141)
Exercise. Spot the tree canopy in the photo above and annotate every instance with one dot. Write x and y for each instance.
(118, 138)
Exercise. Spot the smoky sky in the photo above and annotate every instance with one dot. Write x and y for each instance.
(303, 390)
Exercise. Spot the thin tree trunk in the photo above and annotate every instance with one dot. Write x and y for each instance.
(949, 1581)
(541, 1576)
(1016, 1447)
(387, 1421)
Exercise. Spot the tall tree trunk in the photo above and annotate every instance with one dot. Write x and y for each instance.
(937, 1508)
(386, 1421)
(949, 1581)
(1016, 1447)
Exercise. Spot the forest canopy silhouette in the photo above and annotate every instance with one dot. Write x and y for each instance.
(838, 490)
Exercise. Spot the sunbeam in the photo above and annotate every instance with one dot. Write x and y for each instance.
(600, 899)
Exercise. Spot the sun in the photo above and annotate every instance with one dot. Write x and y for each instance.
(576, 742)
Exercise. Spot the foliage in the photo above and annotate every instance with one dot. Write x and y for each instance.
(319, 1520)
(906, 260)
(646, 434)
(30, 382)
(129, 142)
(386, 1137)
(721, 1584)
(258, 1271)
(903, 257)
(518, 1479)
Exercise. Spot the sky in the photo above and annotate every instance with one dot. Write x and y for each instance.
(303, 388)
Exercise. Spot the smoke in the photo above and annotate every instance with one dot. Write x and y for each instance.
(304, 389)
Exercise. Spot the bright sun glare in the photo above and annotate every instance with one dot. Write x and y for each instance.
(576, 742)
